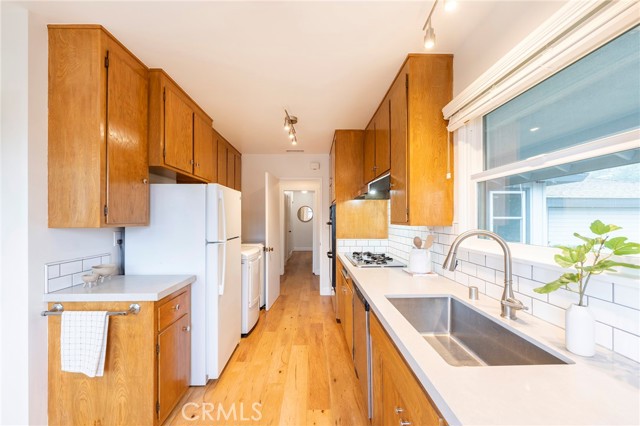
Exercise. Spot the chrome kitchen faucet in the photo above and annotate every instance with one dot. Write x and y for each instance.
(509, 305)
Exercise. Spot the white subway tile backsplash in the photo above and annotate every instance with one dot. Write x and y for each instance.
(617, 316)
(495, 262)
(522, 270)
(548, 312)
(53, 271)
(564, 298)
(526, 300)
(89, 263)
(67, 273)
(69, 268)
(477, 282)
(60, 283)
(478, 259)
(627, 296)
(604, 335)
(486, 274)
(544, 275)
(468, 268)
(626, 344)
(461, 278)
(600, 290)
(526, 286)
(494, 290)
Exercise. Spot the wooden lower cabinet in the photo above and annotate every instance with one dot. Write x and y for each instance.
(146, 370)
(398, 397)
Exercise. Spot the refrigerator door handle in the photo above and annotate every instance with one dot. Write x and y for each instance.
(222, 214)
(223, 270)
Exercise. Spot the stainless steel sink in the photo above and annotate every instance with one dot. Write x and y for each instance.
(465, 337)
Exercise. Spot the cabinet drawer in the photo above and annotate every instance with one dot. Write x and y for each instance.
(172, 309)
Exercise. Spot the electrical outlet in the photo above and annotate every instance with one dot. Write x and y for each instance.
(117, 235)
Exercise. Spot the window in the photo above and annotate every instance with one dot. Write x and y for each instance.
(544, 178)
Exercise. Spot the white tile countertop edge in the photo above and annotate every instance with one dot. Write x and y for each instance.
(604, 389)
(124, 288)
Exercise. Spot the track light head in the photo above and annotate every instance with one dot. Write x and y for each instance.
(429, 38)
(450, 5)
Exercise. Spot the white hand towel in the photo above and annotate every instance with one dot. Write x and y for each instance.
(83, 342)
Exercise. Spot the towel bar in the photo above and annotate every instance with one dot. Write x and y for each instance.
(57, 309)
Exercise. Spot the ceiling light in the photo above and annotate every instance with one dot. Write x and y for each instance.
(534, 129)
(429, 33)
(289, 121)
(429, 38)
(450, 5)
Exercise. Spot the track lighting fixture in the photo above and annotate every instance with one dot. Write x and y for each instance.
(429, 32)
(289, 121)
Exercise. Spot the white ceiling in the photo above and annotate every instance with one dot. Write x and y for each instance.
(329, 63)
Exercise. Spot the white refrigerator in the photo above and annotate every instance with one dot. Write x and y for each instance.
(195, 229)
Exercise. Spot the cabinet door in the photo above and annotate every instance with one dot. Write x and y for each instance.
(399, 153)
(383, 148)
(231, 168)
(174, 365)
(178, 130)
(237, 184)
(368, 169)
(332, 170)
(222, 161)
(127, 171)
(204, 152)
(348, 318)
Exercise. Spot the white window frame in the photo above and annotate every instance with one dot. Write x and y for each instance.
(523, 208)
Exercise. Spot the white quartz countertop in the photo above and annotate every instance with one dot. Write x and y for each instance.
(602, 390)
(124, 288)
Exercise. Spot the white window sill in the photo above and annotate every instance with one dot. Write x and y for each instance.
(543, 257)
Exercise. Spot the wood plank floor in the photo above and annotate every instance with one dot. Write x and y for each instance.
(293, 369)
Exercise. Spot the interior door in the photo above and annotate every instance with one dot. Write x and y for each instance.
(272, 238)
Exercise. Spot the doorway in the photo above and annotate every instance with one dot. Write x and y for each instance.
(299, 221)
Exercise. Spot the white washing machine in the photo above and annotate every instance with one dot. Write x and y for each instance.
(252, 276)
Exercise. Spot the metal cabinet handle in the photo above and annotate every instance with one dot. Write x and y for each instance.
(405, 423)
(186, 328)
(145, 181)
(177, 306)
(399, 410)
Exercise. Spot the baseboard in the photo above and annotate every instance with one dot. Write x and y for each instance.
(325, 291)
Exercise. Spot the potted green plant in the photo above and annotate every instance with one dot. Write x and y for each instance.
(593, 257)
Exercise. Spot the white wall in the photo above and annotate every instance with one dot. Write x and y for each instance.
(289, 167)
(508, 23)
(302, 231)
(24, 214)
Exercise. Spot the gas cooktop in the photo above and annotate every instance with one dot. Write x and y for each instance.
(367, 259)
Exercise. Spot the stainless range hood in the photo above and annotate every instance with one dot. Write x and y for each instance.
(377, 189)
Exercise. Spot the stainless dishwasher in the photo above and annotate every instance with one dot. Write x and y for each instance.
(362, 345)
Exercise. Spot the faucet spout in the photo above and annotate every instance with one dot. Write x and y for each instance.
(509, 305)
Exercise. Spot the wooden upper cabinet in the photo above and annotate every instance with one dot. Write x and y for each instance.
(332, 172)
(229, 164)
(178, 129)
(205, 152)
(421, 195)
(347, 151)
(97, 162)
(369, 152)
(180, 132)
(383, 147)
(238, 172)
(398, 108)
(377, 149)
(223, 148)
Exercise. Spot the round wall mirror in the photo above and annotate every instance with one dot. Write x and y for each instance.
(305, 213)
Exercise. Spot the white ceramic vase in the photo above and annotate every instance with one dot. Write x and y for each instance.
(580, 330)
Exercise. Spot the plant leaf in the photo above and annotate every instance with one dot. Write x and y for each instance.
(599, 228)
(626, 249)
(564, 261)
(585, 239)
(562, 281)
(614, 243)
(608, 264)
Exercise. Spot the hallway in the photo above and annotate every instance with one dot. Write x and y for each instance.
(293, 369)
